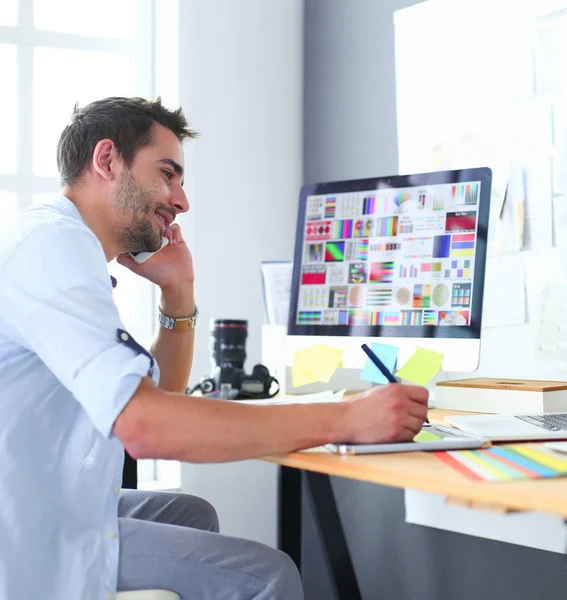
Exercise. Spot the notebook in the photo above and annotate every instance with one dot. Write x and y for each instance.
(536, 426)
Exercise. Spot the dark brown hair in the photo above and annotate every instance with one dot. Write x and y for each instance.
(126, 121)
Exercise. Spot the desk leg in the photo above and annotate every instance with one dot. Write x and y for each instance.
(289, 513)
(332, 534)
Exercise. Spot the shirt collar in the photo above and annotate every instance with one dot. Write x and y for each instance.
(66, 207)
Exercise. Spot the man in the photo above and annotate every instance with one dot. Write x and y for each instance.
(76, 389)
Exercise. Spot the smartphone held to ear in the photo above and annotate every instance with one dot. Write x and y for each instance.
(141, 257)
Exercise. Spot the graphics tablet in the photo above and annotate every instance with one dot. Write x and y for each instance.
(430, 438)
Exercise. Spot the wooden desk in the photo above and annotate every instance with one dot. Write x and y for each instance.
(422, 471)
(415, 470)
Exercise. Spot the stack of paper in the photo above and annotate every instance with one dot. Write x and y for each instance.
(505, 463)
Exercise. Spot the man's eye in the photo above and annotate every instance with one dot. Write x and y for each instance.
(168, 174)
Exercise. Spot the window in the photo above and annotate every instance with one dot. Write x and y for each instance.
(54, 54)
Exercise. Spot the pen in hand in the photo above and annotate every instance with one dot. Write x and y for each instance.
(382, 367)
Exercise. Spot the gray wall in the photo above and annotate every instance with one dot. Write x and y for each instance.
(350, 132)
(350, 98)
(395, 561)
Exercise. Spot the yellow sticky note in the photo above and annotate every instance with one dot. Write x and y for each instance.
(315, 363)
(301, 372)
(426, 436)
(325, 362)
(422, 367)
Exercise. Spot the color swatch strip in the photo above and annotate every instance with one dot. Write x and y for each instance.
(504, 463)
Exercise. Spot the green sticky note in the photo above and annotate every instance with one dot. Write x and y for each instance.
(426, 436)
(422, 367)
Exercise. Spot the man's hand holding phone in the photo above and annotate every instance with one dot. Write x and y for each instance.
(170, 268)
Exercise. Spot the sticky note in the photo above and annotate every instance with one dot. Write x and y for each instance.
(426, 436)
(326, 361)
(422, 367)
(301, 373)
(388, 355)
(315, 363)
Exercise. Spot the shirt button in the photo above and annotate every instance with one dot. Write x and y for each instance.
(124, 337)
(111, 535)
(111, 596)
(116, 490)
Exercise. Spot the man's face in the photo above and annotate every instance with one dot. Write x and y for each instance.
(148, 196)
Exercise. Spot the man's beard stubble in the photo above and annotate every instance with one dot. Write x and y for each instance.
(131, 197)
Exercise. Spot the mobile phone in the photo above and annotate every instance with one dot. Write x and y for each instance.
(141, 257)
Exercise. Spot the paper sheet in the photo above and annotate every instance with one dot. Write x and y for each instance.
(504, 291)
(551, 326)
(534, 530)
(422, 367)
(328, 396)
(276, 282)
(560, 180)
(388, 355)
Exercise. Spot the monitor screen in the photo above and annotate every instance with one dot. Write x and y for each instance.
(400, 256)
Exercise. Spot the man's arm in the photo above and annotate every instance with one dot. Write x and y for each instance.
(173, 350)
(158, 424)
(172, 270)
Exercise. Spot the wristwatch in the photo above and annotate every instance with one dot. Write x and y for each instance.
(178, 324)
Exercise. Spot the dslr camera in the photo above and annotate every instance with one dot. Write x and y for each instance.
(227, 379)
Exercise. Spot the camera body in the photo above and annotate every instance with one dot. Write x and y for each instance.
(227, 346)
(256, 385)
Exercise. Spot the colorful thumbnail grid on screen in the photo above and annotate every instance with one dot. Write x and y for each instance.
(390, 257)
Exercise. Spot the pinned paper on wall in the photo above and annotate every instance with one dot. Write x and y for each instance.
(422, 367)
(505, 291)
(388, 355)
(315, 363)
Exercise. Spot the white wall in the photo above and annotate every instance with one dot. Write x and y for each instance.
(241, 86)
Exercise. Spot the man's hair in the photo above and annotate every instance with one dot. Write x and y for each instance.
(127, 122)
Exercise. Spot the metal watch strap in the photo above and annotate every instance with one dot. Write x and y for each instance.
(178, 324)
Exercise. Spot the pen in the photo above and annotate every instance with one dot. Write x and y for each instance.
(382, 367)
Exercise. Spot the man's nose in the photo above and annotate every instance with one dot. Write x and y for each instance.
(179, 200)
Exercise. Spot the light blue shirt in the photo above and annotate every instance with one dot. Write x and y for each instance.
(64, 378)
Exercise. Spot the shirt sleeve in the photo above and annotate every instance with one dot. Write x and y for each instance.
(56, 297)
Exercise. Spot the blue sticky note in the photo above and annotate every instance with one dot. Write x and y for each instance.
(388, 355)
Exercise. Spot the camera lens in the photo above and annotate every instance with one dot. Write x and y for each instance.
(227, 343)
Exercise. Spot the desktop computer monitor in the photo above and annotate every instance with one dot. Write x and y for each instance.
(398, 260)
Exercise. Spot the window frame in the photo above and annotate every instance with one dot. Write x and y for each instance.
(25, 183)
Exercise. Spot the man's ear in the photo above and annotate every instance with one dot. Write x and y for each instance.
(105, 160)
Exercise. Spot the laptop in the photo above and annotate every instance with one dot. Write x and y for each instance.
(536, 426)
